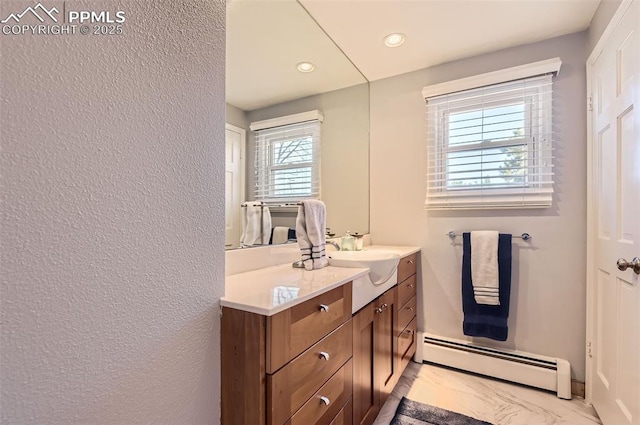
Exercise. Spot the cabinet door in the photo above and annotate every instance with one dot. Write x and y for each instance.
(366, 397)
(386, 313)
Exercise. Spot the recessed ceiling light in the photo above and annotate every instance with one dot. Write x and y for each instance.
(394, 40)
(306, 67)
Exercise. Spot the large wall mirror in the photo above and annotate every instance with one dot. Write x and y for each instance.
(266, 40)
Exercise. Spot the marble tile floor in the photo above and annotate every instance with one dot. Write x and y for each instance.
(494, 401)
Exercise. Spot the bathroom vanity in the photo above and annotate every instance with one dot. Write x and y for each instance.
(295, 352)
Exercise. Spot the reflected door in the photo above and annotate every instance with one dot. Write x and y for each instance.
(615, 317)
(234, 180)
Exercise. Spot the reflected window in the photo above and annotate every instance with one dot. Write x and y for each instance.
(287, 163)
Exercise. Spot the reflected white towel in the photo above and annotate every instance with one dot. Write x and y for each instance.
(310, 225)
(256, 224)
(280, 235)
(484, 267)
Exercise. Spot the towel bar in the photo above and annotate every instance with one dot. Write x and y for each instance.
(274, 205)
(524, 236)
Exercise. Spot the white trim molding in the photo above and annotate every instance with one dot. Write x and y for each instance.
(613, 23)
(549, 66)
(286, 120)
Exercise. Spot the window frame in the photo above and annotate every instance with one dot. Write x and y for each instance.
(537, 189)
(265, 166)
(443, 147)
(271, 168)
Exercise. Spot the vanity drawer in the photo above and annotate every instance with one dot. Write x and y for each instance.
(407, 266)
(406, 290)
(290, 387)
(406, 313)
(344, 416)
(292, 331)
(336, 392)
(407, 344)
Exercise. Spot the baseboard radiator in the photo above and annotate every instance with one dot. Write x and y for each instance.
(523, 368)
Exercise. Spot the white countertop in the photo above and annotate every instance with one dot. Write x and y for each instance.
(273, 289)
(270, 290)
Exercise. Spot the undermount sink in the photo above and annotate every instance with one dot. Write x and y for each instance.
(383, 273)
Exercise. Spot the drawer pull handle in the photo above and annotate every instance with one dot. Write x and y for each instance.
(410, 285)
(382, 308)
(324, 308)
(324, 355)
(410, 261)
(409, 331)
(325, 400)
(410, 308)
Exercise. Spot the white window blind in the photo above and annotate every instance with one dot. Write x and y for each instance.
(287, 162)
(491, 147)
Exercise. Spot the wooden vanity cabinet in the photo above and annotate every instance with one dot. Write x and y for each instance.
(291, 368)
(374, 345)
(383, 343)
(366, 395)
(316, 364)
(406, 325)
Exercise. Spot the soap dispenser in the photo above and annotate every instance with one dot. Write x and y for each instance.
(348, 242)
(359, 241)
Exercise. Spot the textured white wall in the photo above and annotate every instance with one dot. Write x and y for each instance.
(112, 227)
(548, 296)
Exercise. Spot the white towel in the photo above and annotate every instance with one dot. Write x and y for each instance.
(484, 267)
(280, 235)
(310, 225)
(256, 228)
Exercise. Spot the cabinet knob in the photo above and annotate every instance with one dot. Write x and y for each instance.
(323, 308)
(409, 331)
(410, 261)
(325, 400)
(410, 285)
(382, 308)
(410, 308)
(324, 355)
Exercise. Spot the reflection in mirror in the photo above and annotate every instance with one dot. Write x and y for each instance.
(266, 40)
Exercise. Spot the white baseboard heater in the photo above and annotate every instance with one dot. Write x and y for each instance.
(524, 368)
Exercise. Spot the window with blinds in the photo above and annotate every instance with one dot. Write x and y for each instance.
(490, 147)
(287, 162)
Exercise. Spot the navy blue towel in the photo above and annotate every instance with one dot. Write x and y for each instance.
(489, 321)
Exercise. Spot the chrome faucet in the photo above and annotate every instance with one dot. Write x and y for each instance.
(334, 244)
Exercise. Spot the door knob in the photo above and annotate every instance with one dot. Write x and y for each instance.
(634, 264)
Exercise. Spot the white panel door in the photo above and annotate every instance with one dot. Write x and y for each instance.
(615, 229)
(234, 180)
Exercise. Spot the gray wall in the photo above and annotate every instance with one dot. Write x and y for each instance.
(604, 13)
(237, 117)
(344, 153)
(112, 227)
(548, 290)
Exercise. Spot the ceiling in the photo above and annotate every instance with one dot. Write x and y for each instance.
(261, 70)
(265, 41)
